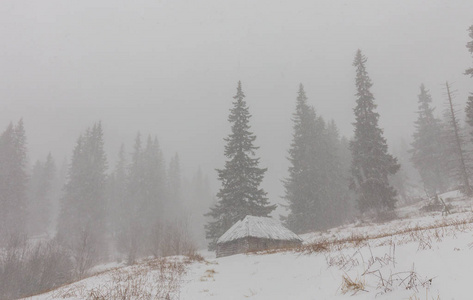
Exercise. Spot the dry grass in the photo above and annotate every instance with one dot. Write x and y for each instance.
(416, 297)
(352, 285)
(152, 279)
(194, 256)
(423, 234)
(208, 275)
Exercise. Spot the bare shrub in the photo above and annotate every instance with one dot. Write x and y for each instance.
(171, 238)
(156, 239)
(85, 252)
(27, 270)
(159, 240)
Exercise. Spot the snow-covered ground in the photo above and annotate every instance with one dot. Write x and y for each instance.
(419, 256)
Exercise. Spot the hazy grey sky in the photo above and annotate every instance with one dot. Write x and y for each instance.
(170, 68)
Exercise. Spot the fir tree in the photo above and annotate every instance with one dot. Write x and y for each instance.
(174, 186)
(199, 198)
(372, 164)
(427, 147)
(82, 220)
(316, 187)
(130, 234)
(40, 196)
(302, 195)
(240, 194)
(469, 115)
(117, 195)
(13, 182)
(155, 182)
(146, 192)
(469, 46)
(469, 106)
(335, 178)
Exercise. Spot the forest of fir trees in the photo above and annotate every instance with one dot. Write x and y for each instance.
(89, 211)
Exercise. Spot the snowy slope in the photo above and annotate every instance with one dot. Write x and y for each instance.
(420, 256)
(149, 279)
(443, 256)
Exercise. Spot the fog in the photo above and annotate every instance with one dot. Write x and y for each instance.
(170, 68)
(82, 192)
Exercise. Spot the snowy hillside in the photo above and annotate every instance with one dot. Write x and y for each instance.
(419, 256)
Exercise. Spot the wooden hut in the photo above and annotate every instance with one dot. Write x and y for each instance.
(255, 234)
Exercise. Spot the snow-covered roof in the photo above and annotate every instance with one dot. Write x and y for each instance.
(259, 227)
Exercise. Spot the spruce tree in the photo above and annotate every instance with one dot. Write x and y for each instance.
(146, 195)
(372, 164)
(40, 196)
(427, 147)
(469, 46)
(469, 115)
(401, 181)
(174, 197)
(316, 189)
(130, 235)
(117, 196)
(198, 198)
(335, 178)
(154, 182)
(302, 195)
(469, 105)
(13, 182)
(240, 193)
(82, 220)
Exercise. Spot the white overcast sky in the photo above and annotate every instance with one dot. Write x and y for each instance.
(170, 68)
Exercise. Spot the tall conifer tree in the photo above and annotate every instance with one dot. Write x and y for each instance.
(469, 46)
(82, 220)
(174, 186)
(372, 164)
(117, 196)
(13, 182)
(146, 193)
(240, 194)
(469, 105)
(469, 115)
(301, 189)
(40, 196)
(427, 147)
(335, 178)
(316, 189)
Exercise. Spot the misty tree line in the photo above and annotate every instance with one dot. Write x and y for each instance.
(323, 167)
(317, 187)
(328, 175)
(442, 147)
(144, 206)
(127, 208)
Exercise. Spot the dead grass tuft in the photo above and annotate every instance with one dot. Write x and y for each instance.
(352, 285)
